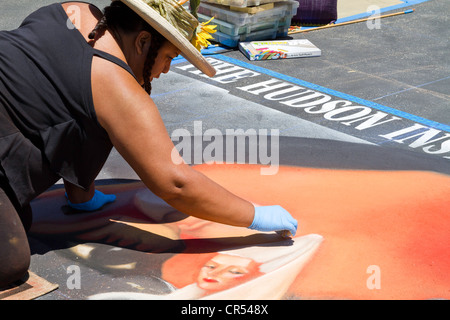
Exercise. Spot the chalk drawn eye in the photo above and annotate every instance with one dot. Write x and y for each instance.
(236, 271)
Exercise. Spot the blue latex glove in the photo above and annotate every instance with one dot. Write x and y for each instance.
(274, 218)
(98, 200)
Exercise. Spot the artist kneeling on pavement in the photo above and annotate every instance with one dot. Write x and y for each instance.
(68, 95)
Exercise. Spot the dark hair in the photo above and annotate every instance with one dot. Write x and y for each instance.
(118, 18)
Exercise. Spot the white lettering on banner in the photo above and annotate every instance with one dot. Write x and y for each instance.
(222, 68)
(316, 97)
(430, 140)
(271, 85)
(372, 120)
(360, 112)
(328, 106)
(423, 139)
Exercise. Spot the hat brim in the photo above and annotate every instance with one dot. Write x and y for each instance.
(169, 32)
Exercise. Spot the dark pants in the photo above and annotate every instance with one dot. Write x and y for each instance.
(14, 247)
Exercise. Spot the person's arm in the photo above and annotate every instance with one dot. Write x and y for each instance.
(137, 131)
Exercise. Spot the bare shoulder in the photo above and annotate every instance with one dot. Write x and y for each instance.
(132, 121)
(83, 15)
(116, 94)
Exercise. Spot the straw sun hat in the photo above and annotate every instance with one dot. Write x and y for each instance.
(177, 25)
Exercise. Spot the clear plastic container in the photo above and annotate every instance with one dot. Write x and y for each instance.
(281, 10)
(285, 21)
(234, 30)
(233, 41)
(241, 3)
(282, 31)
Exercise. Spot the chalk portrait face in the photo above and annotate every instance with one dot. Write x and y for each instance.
(225, 271)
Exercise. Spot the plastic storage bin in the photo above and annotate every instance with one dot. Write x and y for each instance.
(234, 26)
(281, 10)
(233, 41)
(234, 30)
(241, 3)
(281, 25)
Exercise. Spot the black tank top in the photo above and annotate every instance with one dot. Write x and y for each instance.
(48, 125)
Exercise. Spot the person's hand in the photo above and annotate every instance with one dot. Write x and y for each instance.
(98, 200)
(274, 218)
